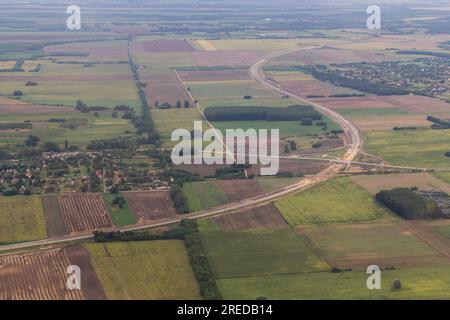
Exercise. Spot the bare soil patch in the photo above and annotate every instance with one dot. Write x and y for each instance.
(53, 216)
(90, 284)
(266, 217)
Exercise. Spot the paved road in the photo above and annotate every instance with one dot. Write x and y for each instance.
(353, 141)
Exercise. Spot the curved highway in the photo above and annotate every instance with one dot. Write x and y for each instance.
(353, 141)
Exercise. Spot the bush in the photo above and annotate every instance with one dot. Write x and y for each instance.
(306, 122)
(397, 285)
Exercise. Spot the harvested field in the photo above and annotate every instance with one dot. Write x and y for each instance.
(382, 244)
(423, 181)
(53, 216)
(265, 217)
(408, 103)
(21, 219)
(295, 167)
(96, 51)
(331, 56)
(39, 275)
(151, 205)
(168, 46)
(145, 270)
(90, 284)
(236, 190)
(84, 212)
(15, 107)
(165, 88)
(225, 58)
(387, 123)
(215, 75)
(313, 87)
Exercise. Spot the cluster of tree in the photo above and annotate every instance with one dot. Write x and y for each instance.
(235, 171)
(12, 126)
(57, 120)
(167, 105)
(199, 261)
(32, 140)
(347, 95)
(290, 113)
(5, 155)
(119, 202)
(404, 128)
(179, 199)
(409, 204)
(31, 84)
(16, 68)
(357, 84)
(115, 236)
(111, 144)
(439, 123)
(83, 107)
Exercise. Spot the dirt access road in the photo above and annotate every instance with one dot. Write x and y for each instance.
(353, 142)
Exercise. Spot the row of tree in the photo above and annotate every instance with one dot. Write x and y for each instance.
(291, 113)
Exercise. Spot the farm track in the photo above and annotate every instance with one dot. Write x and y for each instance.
(353, 142)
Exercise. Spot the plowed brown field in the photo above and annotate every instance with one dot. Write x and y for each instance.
(151, 205)
(84, 212)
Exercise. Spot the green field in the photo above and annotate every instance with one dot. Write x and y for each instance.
(444, 230)
(202, 195)
(166, 121)
(417, 283)
(90, 128)
(400, 147)
(228, 90)
(338, 200)
(444, 176)
(287, 128)
(384, 244)
(144, 270)
(120, 217)
(255, 102)
(98, 85)
(258, 252)
(21, 219)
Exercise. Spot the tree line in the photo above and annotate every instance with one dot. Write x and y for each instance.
(291, 113)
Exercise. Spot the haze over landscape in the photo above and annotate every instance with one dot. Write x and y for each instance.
(116, 170)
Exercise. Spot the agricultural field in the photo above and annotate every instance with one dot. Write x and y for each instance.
(120, 216)
(338, 200)
(150, 205)
(400, 147)
(144, 270)
(234, 254)
(21, 219)
(42, 275)
(79, 128)
(265, 217)
(423, 181)
(384, 244)
(417, 283)
(97, 85)
(202, 195)
(84, 212)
